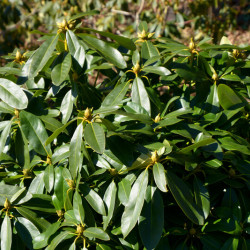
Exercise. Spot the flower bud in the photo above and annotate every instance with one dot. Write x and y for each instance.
(7, 204)
(157, 118)
(155, 157)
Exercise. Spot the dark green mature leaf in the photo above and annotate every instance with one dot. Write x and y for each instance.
(151, 220)
(41, 240)
(35, 132)
(61, 70)
(12, 94)
(49, 177)
(26, 230)
(140, 95)
(95, 137)
(59, 238)
(202, 196)
(94, 200)
(78, 208)
(40, 223)
(156, 70)
(135, 203)
(109, 200)
(6, 233)
(75, 48)
(148, 50)
(7, 191)
(41, 56)
(124, 188)
(116, 95)
(4, 135)
(94, 232)
(228, 99)
(160, 177)
(75, 151)
(123, 41)
(109, 53)
(67, 106)
(184, 198)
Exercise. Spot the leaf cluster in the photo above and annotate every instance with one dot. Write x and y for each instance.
(153, 153)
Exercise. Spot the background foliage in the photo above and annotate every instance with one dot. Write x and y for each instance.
(115, 143)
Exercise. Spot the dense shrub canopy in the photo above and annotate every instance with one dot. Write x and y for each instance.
(124, 144)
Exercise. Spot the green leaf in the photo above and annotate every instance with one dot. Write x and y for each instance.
(135, 203)
(148, 50)
(75, 48)
(116, 95)
(78, 208)
(49, 177)
(124, 188)
(12, 94)
(184, 198)
(35, 132)
(6, 233)
(202, 197)
(109, 53)
(83, 14)
(109, 200)
(42, 239)
(140, 95)
(75, 151)
(26, 230)
(4, 135)
(37, 184)
(59, 238)
(41, 56)
(123, 41)
(160, 177)
(162, 71)
(95, 137)
(40, 223)
(67, 106)
(61, 70)
(7, 191)
(94, 232)
(230, 244)
(228, 98)
(151, 220)
(94, 200)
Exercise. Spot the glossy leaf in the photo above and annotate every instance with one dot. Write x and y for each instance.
(6, 234)
(151, 220)
(78, 208)
(160, 177)
(35, 132)
(135, 203)
(140, 95)
(41, 56)
(109, 200)
(94, 200)
(95, 137)
(184, 198)
(61, 70)
(12, 94)
(109, 53)
(75, 151)
(94, 232)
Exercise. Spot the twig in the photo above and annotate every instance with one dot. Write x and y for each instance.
(138, 13)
